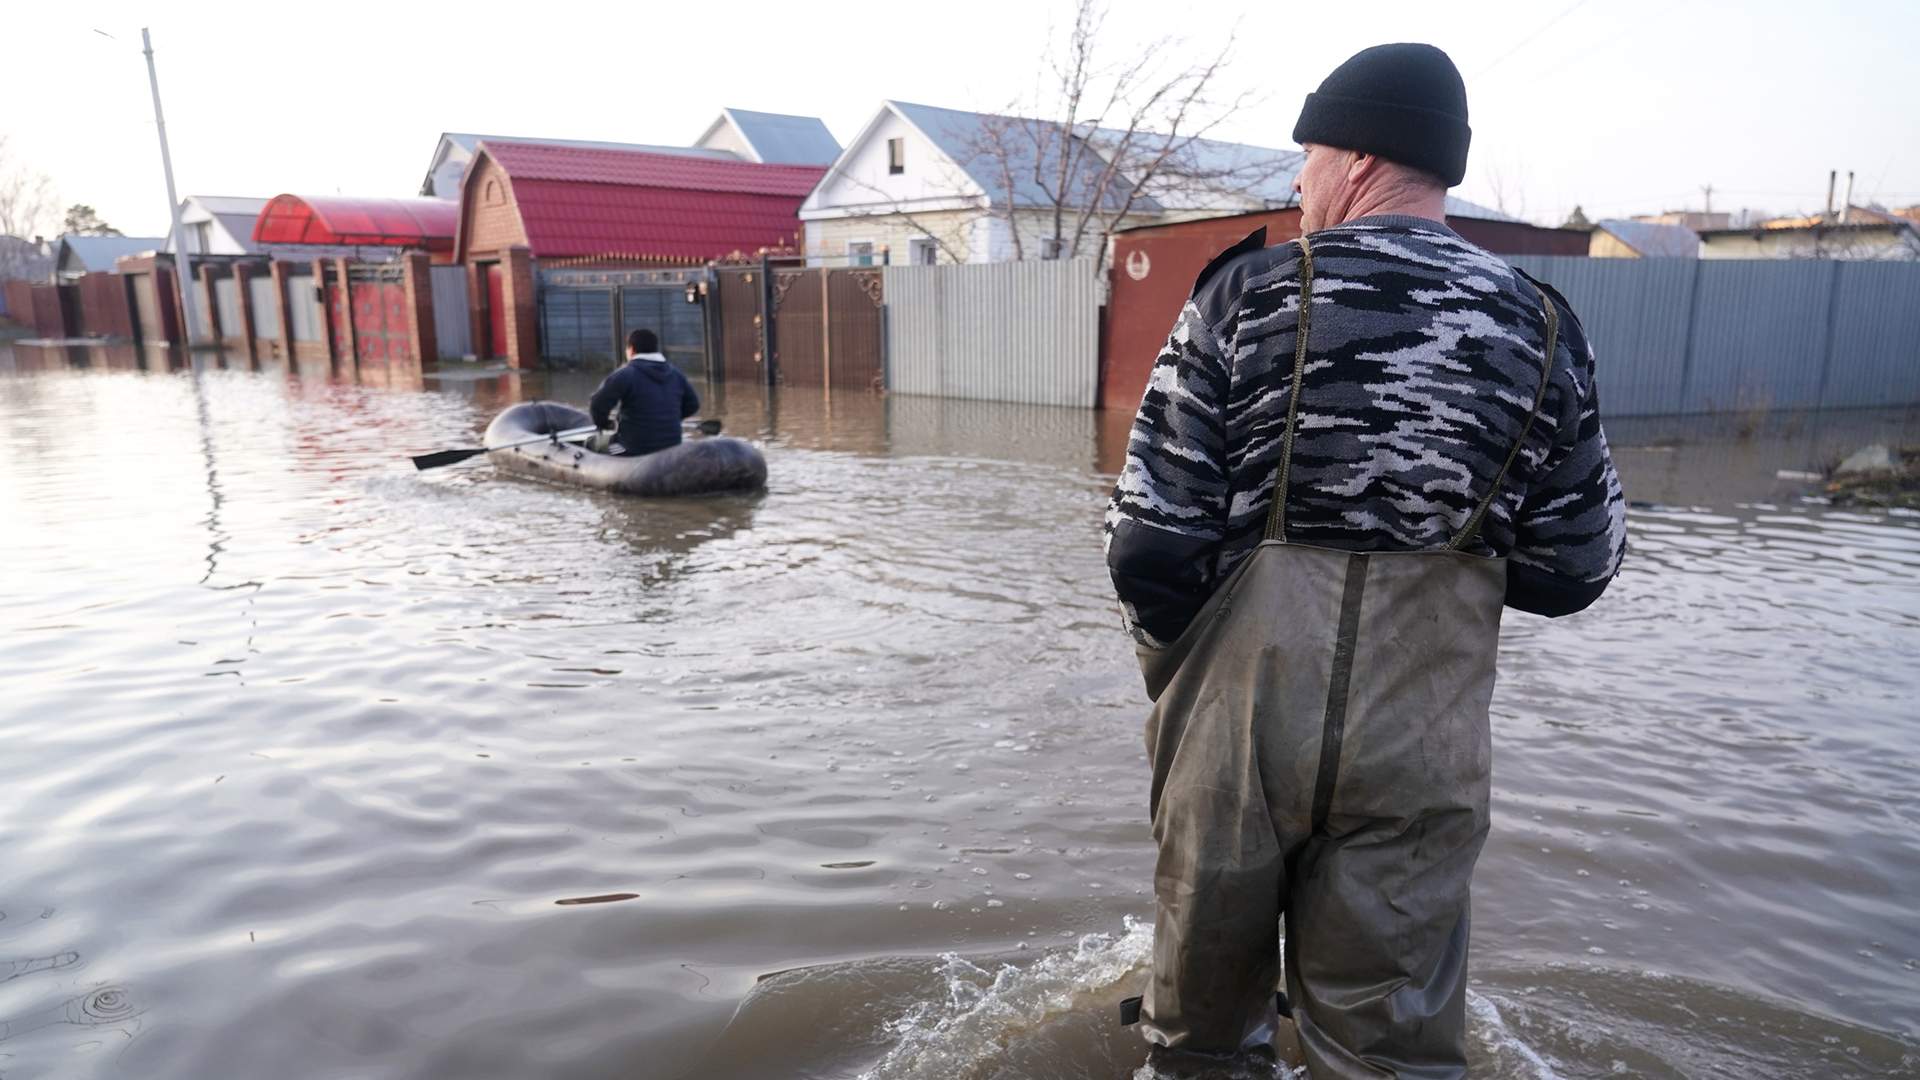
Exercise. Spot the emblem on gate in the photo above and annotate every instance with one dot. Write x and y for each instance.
(1138, 265)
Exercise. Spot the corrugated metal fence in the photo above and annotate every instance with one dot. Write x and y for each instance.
(451, 330)
(1025, 332)
(1694, 336)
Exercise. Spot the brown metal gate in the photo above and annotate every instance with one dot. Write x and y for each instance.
(742, 325)
(827, 328)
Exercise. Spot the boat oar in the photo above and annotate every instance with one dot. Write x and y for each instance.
(448, 457)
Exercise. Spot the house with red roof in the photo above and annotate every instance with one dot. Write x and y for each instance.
(526, 205)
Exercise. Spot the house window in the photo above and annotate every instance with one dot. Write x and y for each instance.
(896, 156)
(921, 251)
(860, 253)
(202, 237)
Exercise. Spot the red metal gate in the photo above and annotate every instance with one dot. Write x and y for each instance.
(496, 310)
(380, 331)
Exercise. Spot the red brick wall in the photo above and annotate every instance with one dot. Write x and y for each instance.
(523, 311)
(420, 308)
(493, 222)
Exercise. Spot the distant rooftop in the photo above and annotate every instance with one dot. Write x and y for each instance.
(1654, 240)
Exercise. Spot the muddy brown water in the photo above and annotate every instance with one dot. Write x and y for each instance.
(316, 766)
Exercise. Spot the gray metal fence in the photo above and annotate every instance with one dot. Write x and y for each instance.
(451, 331)
(265, 306)
(305, 317)
(1695, 336)
(1025, 332)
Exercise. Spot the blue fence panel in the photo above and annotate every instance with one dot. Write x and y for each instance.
(1875, 356)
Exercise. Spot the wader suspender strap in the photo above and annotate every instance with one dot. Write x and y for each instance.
(1277, 508)
(1466, 534)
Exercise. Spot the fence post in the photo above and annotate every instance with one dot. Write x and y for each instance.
(523, 313)
(826, 330)
(420, 334)
(243, 299)
(766, 318)
(347, 333)
(277, 271)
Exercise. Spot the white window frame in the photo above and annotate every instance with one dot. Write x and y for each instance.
(896, 163)
(872, 253)
(919, 245)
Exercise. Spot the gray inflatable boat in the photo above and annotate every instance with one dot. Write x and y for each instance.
(698, 466)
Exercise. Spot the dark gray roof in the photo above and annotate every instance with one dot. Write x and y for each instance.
(96, 254)
(1654, 240)
(780, 139)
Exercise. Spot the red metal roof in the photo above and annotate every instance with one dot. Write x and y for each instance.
(339, 221)
(586, 201)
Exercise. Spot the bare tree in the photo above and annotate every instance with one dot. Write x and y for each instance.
(1101, 141)
(28, 210)
(1507, 188)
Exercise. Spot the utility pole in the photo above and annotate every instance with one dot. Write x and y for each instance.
(1708, 190)
(183, 266)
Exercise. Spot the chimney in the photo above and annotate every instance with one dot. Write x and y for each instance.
(1832, 176)
(1847, 207)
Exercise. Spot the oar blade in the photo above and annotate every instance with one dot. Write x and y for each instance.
(443, 457)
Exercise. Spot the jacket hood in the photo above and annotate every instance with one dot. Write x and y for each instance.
(653, 365)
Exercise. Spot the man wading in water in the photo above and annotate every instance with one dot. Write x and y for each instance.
(1351, 454)
(653, 398)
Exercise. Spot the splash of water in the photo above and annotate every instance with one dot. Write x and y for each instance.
(968, 1031)
(985, 1010)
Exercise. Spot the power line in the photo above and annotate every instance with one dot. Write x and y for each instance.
(1531, 38)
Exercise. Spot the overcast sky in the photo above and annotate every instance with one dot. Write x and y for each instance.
(1621, 106)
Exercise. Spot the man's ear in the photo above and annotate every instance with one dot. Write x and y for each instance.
(1362, 165)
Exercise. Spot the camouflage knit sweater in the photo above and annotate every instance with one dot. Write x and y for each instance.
(1423, 362)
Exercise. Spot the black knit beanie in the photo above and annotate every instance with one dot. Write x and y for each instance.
(1404, 102)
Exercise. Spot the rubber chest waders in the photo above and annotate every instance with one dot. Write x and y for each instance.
(1320, 750)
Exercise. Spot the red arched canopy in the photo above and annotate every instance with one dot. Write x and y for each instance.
(339, 221)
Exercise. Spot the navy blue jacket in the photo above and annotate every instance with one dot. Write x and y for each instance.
(653, 398)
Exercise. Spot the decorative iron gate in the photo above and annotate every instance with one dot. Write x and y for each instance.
(802, 327)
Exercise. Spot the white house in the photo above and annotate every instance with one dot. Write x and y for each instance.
(735, 135)
(218, 224)
(771, 138)
(922, 184)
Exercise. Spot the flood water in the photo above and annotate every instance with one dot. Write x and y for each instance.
(317, 766)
